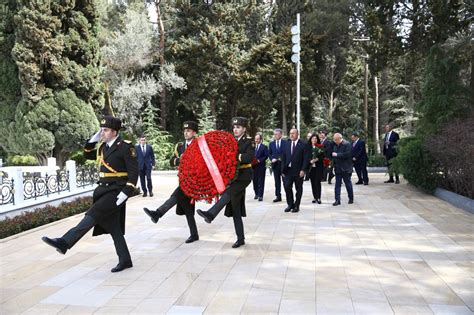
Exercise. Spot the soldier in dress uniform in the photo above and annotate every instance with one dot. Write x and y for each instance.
(117, 179)
(233, 197)
(178, 198)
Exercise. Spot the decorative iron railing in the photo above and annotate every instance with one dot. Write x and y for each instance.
(86, 175)
(35, 186)
(7, 190)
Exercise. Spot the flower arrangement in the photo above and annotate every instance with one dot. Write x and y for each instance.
(195, 178)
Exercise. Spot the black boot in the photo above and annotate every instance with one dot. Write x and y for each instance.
(154, 215)
(208, 217)
(238, 243)
(58, 243)
(122, 266)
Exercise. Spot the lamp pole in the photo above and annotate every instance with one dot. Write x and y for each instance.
(295, 58)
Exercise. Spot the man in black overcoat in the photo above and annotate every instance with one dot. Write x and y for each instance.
(117, 180)
(233, 197)
(178, 198)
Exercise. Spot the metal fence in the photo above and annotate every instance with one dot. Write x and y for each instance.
(35, 186)
(86, 175)
(7, 190)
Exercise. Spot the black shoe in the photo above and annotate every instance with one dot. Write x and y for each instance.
(389, 181)
(277, 199)
(206, 215)
(318, 201)
(151, 194)
(314, 201)
(255, 198)
(365, 184)
(336, 203)
(122, 266)
(58, 243)
(154, 215)
(296, 209)
(359, 183)
(351, 201)
(288, 209)
(397, 181)
(192, 238)
(144, 194)
(238, 243)
(260, 198)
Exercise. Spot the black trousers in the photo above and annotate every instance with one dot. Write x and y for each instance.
(346, 177)
(361, 171)
(288, 182)
(171, 202)
(234, 189)
(391, 172)
(315, 183)
(277, 176)
(145, 173)
(259, 180)
(76, 233)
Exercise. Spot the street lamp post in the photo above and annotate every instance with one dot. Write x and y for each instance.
(295, 58)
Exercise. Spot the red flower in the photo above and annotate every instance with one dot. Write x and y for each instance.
(194, 177)
(326, 162)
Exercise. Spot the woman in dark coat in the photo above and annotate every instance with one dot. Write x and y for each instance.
(316, 173)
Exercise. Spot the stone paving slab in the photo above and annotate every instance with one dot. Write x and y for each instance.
(394, 251)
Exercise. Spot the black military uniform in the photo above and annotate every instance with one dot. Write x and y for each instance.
(233, 197)
(178, 198)
(118, 177)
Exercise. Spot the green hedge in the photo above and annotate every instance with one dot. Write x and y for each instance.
(416, 164)
(376, 160)
(42, 216)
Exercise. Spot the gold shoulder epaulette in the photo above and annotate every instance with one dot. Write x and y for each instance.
(127, 141)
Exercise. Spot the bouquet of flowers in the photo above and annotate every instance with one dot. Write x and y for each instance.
(195, 179)
(318, 152)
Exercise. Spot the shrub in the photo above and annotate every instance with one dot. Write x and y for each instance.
(376, 160)
(42, 216)
(22, 160)
(416, 164)
(452, 149)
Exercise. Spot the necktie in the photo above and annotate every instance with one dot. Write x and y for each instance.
(278, 145)
(293, 148)
(107, 147)
(143, 149)
(256, 149)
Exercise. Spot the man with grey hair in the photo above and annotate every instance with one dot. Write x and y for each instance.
(275, 150)
(342, 158)
(259, 166)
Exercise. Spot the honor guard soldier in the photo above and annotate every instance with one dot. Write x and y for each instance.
(178, 198)
(234, 195)
(117, 179)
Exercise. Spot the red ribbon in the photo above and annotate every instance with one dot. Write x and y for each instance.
(211, 164)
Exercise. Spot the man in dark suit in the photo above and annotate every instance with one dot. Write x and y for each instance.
(359, 158)
(259, 167)
(233, 197)
(275, 150)
(118, 177)
(146, 162)
(178, 198)
(389, 151)
(295, 162)
(342, 158)
(327, 143)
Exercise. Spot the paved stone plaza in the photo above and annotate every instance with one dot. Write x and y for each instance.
(394, 251)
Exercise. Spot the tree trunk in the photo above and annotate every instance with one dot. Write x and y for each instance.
(161, 27)
(366, 106)
(376, 117)
(283, 115)
(212, 107)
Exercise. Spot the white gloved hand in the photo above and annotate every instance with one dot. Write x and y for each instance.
(121, 198)
(96, 137)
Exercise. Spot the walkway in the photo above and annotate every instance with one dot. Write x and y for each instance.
(395, 251)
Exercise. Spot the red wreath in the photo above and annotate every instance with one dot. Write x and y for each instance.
(195, 179)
